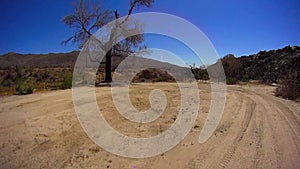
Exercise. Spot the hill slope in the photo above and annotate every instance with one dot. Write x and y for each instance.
(267, 66)
(276, 66)
(272, 66)
(50, 60)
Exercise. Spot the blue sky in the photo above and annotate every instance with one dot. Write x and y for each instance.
(233, 26)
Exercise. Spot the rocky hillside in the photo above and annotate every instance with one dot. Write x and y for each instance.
(268, 66)
(272, 66)
(280, 66)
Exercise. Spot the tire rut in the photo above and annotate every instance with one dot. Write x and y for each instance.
(249, 109)
(288, 117)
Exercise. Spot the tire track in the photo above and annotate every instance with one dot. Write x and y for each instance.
(265, 108)
(280, 123)
(203, 161)
(258, 132)
(287, 115)
(248, 114)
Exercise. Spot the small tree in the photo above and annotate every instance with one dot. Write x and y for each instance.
(199, 73)
(88, 18)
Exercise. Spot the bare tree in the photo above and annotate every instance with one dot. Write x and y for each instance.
(88, 18)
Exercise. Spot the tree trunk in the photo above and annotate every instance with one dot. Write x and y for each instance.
(108, 78)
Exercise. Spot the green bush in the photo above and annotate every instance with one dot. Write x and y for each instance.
(231, 80)
(6, 83)
(67, 82)
(23, 89)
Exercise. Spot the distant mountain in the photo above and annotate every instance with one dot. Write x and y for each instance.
(50, 60)
(60, 60)
(67, 60)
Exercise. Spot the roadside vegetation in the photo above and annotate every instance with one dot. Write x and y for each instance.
(280, 68)
(21, 81)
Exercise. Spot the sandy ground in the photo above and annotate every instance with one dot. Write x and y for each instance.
(257, 130)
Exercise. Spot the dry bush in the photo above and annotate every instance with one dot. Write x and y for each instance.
(290, 87)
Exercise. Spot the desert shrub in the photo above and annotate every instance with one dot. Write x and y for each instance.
(153, 75)
(231, 80)
(140, 80)
(8, 79)
(67, 82)
(164, 78)
(245, 78)
(288, 91)
(200, 73)
(289, 88)
(23, 89)
(159, 79)
(6, 83)
(19, 71)
(42, 76)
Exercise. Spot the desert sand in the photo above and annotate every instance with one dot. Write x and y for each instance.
(257, 130)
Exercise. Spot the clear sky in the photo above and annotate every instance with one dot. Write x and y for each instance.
(233, 26)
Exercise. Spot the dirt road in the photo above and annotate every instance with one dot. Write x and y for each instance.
(257, 130)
